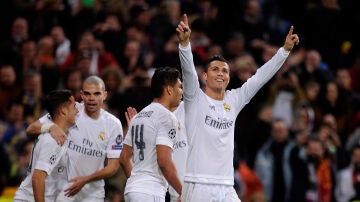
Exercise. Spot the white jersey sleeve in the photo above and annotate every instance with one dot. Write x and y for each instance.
(190, 79)
(49, 153)
(166, 131)
(243, 95)
(116, 134)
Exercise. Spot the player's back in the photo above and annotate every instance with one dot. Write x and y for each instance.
(150, 127)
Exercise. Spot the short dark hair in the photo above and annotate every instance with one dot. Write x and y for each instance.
(214, 58)
(165, 76)
(55, 100)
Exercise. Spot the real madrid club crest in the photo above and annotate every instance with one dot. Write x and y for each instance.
(101, 136)
(226, 107)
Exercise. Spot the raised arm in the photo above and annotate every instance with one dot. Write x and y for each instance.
(191, 82)
(267, 71)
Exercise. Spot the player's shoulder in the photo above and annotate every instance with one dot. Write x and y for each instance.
(46, 139)
(166, 116)
(161, 111)
(180, 109)
(109, 118)
(45, 119)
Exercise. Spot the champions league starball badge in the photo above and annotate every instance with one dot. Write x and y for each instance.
(118, 139)
(101, 136)
(226, 107)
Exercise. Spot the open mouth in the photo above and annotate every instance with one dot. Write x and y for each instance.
(91, 105)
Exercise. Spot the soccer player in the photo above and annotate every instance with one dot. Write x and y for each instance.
(210, 118)
(147, 154)
(180, 146)
(97, 137)
(180, 149)
(48, 159)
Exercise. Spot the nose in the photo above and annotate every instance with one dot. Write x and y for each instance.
(91, 97)
(220, 73)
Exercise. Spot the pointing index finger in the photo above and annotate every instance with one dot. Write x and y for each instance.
(291, 30)
(185, 19)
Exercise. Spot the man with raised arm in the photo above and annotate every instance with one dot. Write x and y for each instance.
(210, 118)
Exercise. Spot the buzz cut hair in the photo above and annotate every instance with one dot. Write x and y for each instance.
(95, 80)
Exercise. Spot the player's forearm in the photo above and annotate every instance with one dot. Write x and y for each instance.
(38, 183)
(34, 129)
(127, 167)
(125, 160)
(108, 171)
(169, 171)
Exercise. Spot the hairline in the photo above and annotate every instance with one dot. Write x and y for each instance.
(95, 80)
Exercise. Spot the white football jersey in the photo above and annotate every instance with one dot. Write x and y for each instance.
(90, 143)
(154, 125)
(47, 156)
(210, 123)
(180, 147)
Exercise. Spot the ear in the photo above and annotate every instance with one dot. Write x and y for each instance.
(105, 95)
(82, 94)
(204, 76)
(63, 110)
(169, 90)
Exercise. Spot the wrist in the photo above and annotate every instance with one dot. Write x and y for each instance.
(184, 43)
(45, 128)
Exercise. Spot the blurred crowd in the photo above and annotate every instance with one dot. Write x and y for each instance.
(293, 140)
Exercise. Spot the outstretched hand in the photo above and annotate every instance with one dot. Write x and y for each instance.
(183, 31)
(291, 40)
(77, 184)
(129, 114)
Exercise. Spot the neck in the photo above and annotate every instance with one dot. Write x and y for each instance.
(63, 125)
(163, 103)
(93, 115)
(216, 95)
